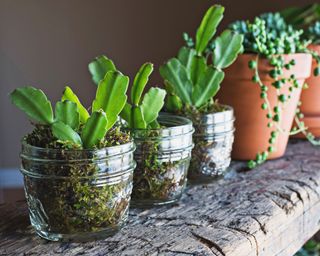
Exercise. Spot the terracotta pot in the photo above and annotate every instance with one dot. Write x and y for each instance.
(238, 91)
(310, 99)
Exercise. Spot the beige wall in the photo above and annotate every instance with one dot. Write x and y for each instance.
(48, 44)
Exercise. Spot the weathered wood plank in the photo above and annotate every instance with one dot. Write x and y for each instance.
(269, 211)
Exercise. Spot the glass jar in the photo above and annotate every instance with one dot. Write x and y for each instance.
(163, 156)
(77, 195)
(213, 138)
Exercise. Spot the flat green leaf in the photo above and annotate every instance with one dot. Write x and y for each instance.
(34, 103)
(208, 27)
(95, 129)
(152, 103)
(154, 125)
(111, 96)
(67, 112)
(301, 17)
(185, 56)
(99, 67)
(68, 94)
(208, 86)
(227, 47)
(126, 113)
(64, 132)
(140, 81)
(176, 74)
(173, 103)
(198, 68)
(137, 118)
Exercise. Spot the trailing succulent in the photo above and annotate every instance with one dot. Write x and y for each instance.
(313, 33)
(153, 179)
(269, 36)
(75, 203)
(193, 78)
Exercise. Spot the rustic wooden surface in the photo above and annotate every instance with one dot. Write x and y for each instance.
(269, 211)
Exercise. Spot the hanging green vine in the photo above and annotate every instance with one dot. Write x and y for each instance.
(270, 37)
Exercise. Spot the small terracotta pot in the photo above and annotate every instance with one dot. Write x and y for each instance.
(237, 90)
(310, 99)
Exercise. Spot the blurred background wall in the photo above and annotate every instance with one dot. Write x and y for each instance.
(48, 44)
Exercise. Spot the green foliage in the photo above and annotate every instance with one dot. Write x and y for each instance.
(191, 79)
(67, 112)
(152, 103)
(269, 36)
(208, 85)
(301, 17)
(226, 49)
(111, 96)
(176, 74)
(140, 81)
(34, 103)
(68, 94)
(137, 118)
(208, 27)
(99, 67)
(95, 129)
(313, 33)
(311, 248)
(65, 133)
(141, 112)
(145, 114)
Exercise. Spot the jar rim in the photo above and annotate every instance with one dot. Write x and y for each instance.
(216, 118)
(184, 122)
(26, 144)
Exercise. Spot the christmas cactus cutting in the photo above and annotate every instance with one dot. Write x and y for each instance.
(69, 161)
(192, 80)
(163, 141)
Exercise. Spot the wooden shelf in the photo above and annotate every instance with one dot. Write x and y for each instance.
(272, 210)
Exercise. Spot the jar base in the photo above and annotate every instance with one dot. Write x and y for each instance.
(204, 179)
(211, 175)
(153, 203)
(78, 237)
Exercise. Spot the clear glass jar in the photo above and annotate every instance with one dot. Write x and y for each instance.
(163, 156)
(213, 138)
(77, 195)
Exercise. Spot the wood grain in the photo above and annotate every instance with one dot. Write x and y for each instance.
(270, 211)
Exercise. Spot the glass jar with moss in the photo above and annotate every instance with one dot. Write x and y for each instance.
(192, 80)
(163, 155)
(213, 139)
(77, 167)
(164, 142)
(77, 195)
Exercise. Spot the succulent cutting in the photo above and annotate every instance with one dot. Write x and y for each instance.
(155, 180)
(67, 186)
(70, 123)
(193, 78)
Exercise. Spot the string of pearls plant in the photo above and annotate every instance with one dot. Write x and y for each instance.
(270, 37)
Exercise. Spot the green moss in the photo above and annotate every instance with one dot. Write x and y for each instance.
(72, 196)
(42, 137)
(155, 179)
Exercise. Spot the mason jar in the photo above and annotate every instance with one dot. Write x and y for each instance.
(163, 156)
(77, 195)
(213, 138)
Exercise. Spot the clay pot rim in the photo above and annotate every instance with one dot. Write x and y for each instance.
(287, 54)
